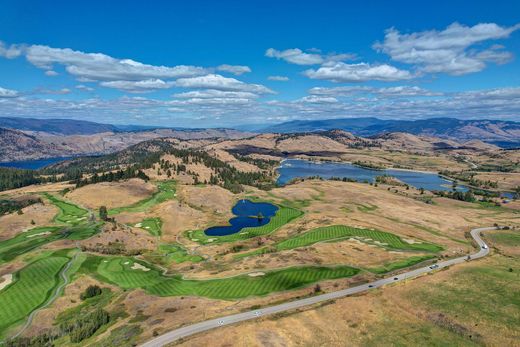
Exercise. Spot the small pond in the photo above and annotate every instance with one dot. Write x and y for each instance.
(247, 215)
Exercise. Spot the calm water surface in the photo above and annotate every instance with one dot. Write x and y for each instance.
(32, 164)
(246, 213)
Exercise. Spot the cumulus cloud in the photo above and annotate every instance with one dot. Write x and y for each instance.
(101, 67)
(278, 78)
(138, 86)
(218, 82)
(51, 73)
(212, 93)
(61, 91)
(398, 91)
(313, 56)
(84, 88)
(8, 93)
(450, 50)
(10, 52)
(343, 72)
(315, 99)
(234, 69)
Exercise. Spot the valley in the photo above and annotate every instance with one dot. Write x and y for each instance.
(148, 225)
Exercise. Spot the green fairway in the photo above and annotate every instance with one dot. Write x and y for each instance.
(283, 216)
(166, 191)
(338, 232)
(120, 271)
(152, 225)
(400, 264)
(69, 213)
(27, 241)
(31, 288)
(174, 252)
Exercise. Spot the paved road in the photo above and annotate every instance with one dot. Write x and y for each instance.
(240, 317)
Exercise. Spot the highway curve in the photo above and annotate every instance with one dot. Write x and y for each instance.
(192, 329)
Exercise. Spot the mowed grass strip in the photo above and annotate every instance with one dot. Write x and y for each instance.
(69, 213)
(31, 288)
(122, 272)
(39, 236)
(245, 285)
(400, 264)
(166, 191)
(152, 225)
(283, 216)
(338, 232)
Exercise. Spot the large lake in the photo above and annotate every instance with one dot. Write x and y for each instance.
(246, 213)
(293, 168)
(32, 164)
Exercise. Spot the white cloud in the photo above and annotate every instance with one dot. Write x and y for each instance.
(51, 73)
(278, 78)
(84, 88)
(138, 86)
(398, 91)
(447, 51)
(61, 91)
(342, 72)
(212, 93)
(10, 52)
(315, 99)
(218, 82)
(8, 93)
(295, 56)
(234, 69)
(101, 67)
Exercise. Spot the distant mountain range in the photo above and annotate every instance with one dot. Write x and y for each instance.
(492, 131)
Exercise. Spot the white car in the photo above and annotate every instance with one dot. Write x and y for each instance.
(485, 246)
(220, 322)
(434, 266)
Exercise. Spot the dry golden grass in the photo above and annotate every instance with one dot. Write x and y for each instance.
(14, 223)
(112, 194)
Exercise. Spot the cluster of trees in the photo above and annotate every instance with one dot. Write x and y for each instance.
(469, 177)
(223, 174)
(91, 292)
(368, 165)
(112, 248)
(79, 328)
(261, 163)
(12, 205)
(461, 196)
(130, 172)
(85, 326)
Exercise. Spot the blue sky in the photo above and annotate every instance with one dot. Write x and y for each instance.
(225, 63)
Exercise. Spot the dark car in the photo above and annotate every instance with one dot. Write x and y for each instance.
(395, 278)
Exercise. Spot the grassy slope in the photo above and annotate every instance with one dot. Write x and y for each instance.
(32, 287)
(69, 213)
(117, 270)
(166, 191)
(283, 216)
(335, 232)
(152, 225)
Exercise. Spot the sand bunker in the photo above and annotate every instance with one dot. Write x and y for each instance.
(256, 274)
(39, 234)
(138, 266)
(7, 280)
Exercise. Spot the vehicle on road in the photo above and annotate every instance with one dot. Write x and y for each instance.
(485, 247)
(370, 286)
(396, 278)
(434, 266)
(221, 322)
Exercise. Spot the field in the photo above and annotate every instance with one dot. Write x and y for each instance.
(122, 272)
(338, 232)
(505, 238)
(172, 252)
(400, 264)
(152, 225)
(69, 213)
(31, 288)
(166, 192)
(283, 216)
